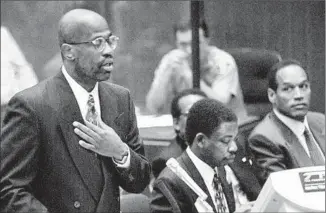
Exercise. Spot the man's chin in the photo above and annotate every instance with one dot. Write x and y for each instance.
(299, 115)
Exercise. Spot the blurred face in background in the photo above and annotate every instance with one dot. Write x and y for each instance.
(184, 39)
(292, 97)
(185, 103)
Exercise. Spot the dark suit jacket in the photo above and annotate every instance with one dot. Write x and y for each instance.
(171, 194)
(275, 147)
(242, 170)
(43, 168)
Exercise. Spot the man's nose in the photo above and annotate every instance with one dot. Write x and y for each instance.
(108, 49)
(298, 94)
(233, 147)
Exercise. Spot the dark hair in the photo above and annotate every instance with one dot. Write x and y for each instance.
(175, 109)
(205, 116)
(185, 25)
(272, 82)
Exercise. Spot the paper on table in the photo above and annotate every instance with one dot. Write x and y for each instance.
(154, 120)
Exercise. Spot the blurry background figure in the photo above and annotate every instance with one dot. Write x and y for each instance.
(16, 73)
(218, 70)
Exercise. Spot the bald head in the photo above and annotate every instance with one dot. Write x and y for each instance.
(78, 25)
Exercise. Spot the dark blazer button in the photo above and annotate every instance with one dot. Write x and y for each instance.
(76, 204)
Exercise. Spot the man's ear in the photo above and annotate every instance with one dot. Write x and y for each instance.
(68, 52)
(176, 125)
(200, 138)
(271, 95)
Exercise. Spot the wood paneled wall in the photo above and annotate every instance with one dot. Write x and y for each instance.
(294, 28)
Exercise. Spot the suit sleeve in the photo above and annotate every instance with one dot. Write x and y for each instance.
(163, 199)
(136, 177)
(20, 147)
(267, 156)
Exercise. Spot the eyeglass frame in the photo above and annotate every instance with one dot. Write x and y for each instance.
(107, 41)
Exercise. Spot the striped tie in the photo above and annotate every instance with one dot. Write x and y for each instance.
(219, 195)
(315, 154)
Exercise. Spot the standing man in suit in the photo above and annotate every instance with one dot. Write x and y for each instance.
(69, 142)
(210, 132)
(290, 136)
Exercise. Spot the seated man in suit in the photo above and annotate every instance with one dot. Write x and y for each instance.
(210, 132)
(237, 171)
(290, 136)
(180, 106)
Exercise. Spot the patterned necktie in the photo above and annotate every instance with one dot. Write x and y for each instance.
(315, 154)
(91, 115)
(219, 195)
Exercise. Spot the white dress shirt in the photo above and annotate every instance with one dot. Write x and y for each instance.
(298, 128)
(81, 96)
(207, 173)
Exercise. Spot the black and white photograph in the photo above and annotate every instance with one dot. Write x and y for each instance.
(214, 106)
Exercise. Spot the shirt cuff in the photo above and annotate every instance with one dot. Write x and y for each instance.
(124, 163)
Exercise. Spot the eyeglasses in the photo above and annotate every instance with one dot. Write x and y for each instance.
(100, 43)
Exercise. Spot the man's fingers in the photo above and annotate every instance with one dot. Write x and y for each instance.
(87, 145)
(102, 125)
(86, 129)
(93, 127)
(84, 136)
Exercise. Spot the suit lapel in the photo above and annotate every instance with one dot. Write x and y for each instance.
(85, 161)
(109, 106)
(317, 132)
(247, 179)
(227, 189)
(195, 175)
(296, 150)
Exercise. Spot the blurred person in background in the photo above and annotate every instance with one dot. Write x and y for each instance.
(16, 73)
(290, 136)
(211, 129)
(69, 142)
(218, 71)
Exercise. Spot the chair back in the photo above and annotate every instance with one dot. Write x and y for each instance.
(253, 66)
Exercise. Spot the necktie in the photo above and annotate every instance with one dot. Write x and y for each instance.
(219, 195)
(315, 154)
(91, 115)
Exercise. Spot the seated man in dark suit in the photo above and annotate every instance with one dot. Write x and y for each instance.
(290, 136)
(180, 106)
(237, 171)
(211, 129)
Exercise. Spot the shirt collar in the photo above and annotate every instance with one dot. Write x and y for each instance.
(77, 88)
(296, 127)
(204, 169)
